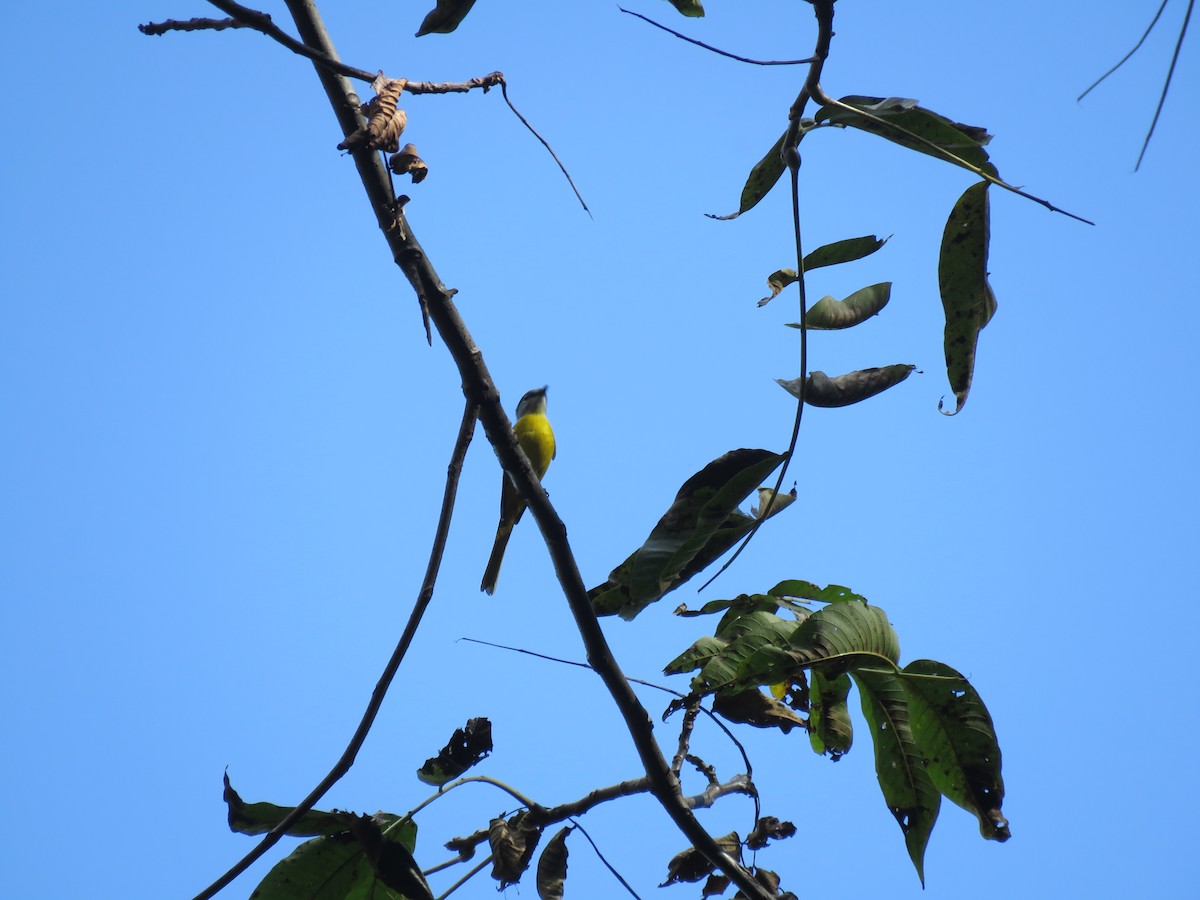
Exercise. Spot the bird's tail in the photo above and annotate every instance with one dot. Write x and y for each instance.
(492, 572)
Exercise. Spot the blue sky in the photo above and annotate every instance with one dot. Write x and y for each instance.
(224, 436)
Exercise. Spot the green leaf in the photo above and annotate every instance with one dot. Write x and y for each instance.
(701, 524)
(445, 17)
(259, 818)
(760, 181)
(720, 656)
(909, 792)
(806, 590)
(338, 867)
(843, 251)
(828, 314)
(910, 123)
(843, 390)
(967, 297)
(829, 727)
(693, 8)
(954, 729)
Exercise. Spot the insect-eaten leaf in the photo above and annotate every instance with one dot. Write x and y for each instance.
(843, 390)
(806, 590)
(513, 842)
(760, 180)
(954, 729)
(828, 314)
(913, 127)
(385, 120)
(407, 162)
(552, 867)
(753, 707)
(900, 764)
(467, 747)
(691, 865)
(445, 17)
(769, 828)
(967, 297)
(702, 523)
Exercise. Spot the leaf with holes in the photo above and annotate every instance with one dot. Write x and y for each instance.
(955, 731)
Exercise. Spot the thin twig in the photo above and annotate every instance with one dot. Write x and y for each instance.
(650, 684)
(261, 22)
(684, 37)
(549, 149)
(475, 871)
(343, 765)
(617, 875)
(1167, 84)
(1125, 58)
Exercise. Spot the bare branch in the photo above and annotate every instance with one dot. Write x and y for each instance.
(155, 29)
(1125, 58)
(684, 37)
(1166, 84)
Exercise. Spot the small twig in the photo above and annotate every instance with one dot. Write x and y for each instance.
(650, 684)
(709, 772)
(739, 784)
(344, 763)
(549, 149)
(467, 877)
(685, 734)
(1167, 84)
(486, 83)
(617, 875)
(261, 22)
(1125, 58)
(684, 37)
(155, 29)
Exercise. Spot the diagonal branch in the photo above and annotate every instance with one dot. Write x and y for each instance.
(481, 392)
(465, 431)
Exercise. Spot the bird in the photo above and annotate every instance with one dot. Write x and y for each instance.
(536, 438)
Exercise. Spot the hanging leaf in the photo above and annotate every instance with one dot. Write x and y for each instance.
(392, 861)
(899, 763)
(967, 297)
(843, 390)
(701, 524)
(964, 141)
(259, 818)
(467, 747)
(828, 314)
(385, 120)
(513, 842)
(445, 17)
(829, 727)
(693, 8)
(407, 162)
(753, 707)
(552, 867)
(955, 731)
(760, 181)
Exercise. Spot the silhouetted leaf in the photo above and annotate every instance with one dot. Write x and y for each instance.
(967, 297)
(445, 17)
(692, 8)
(259, 818)
(954, 729)
(466, 748)
(513, 842)
(769, 829)
(552, 866)
(692, 865)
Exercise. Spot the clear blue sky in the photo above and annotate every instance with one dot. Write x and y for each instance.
(224, 437)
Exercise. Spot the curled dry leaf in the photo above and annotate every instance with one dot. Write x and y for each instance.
(385, 120)
(406, 162)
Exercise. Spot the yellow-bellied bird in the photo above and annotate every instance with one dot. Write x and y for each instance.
(536, 438)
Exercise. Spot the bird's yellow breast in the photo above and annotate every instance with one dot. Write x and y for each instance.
(536, 438)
